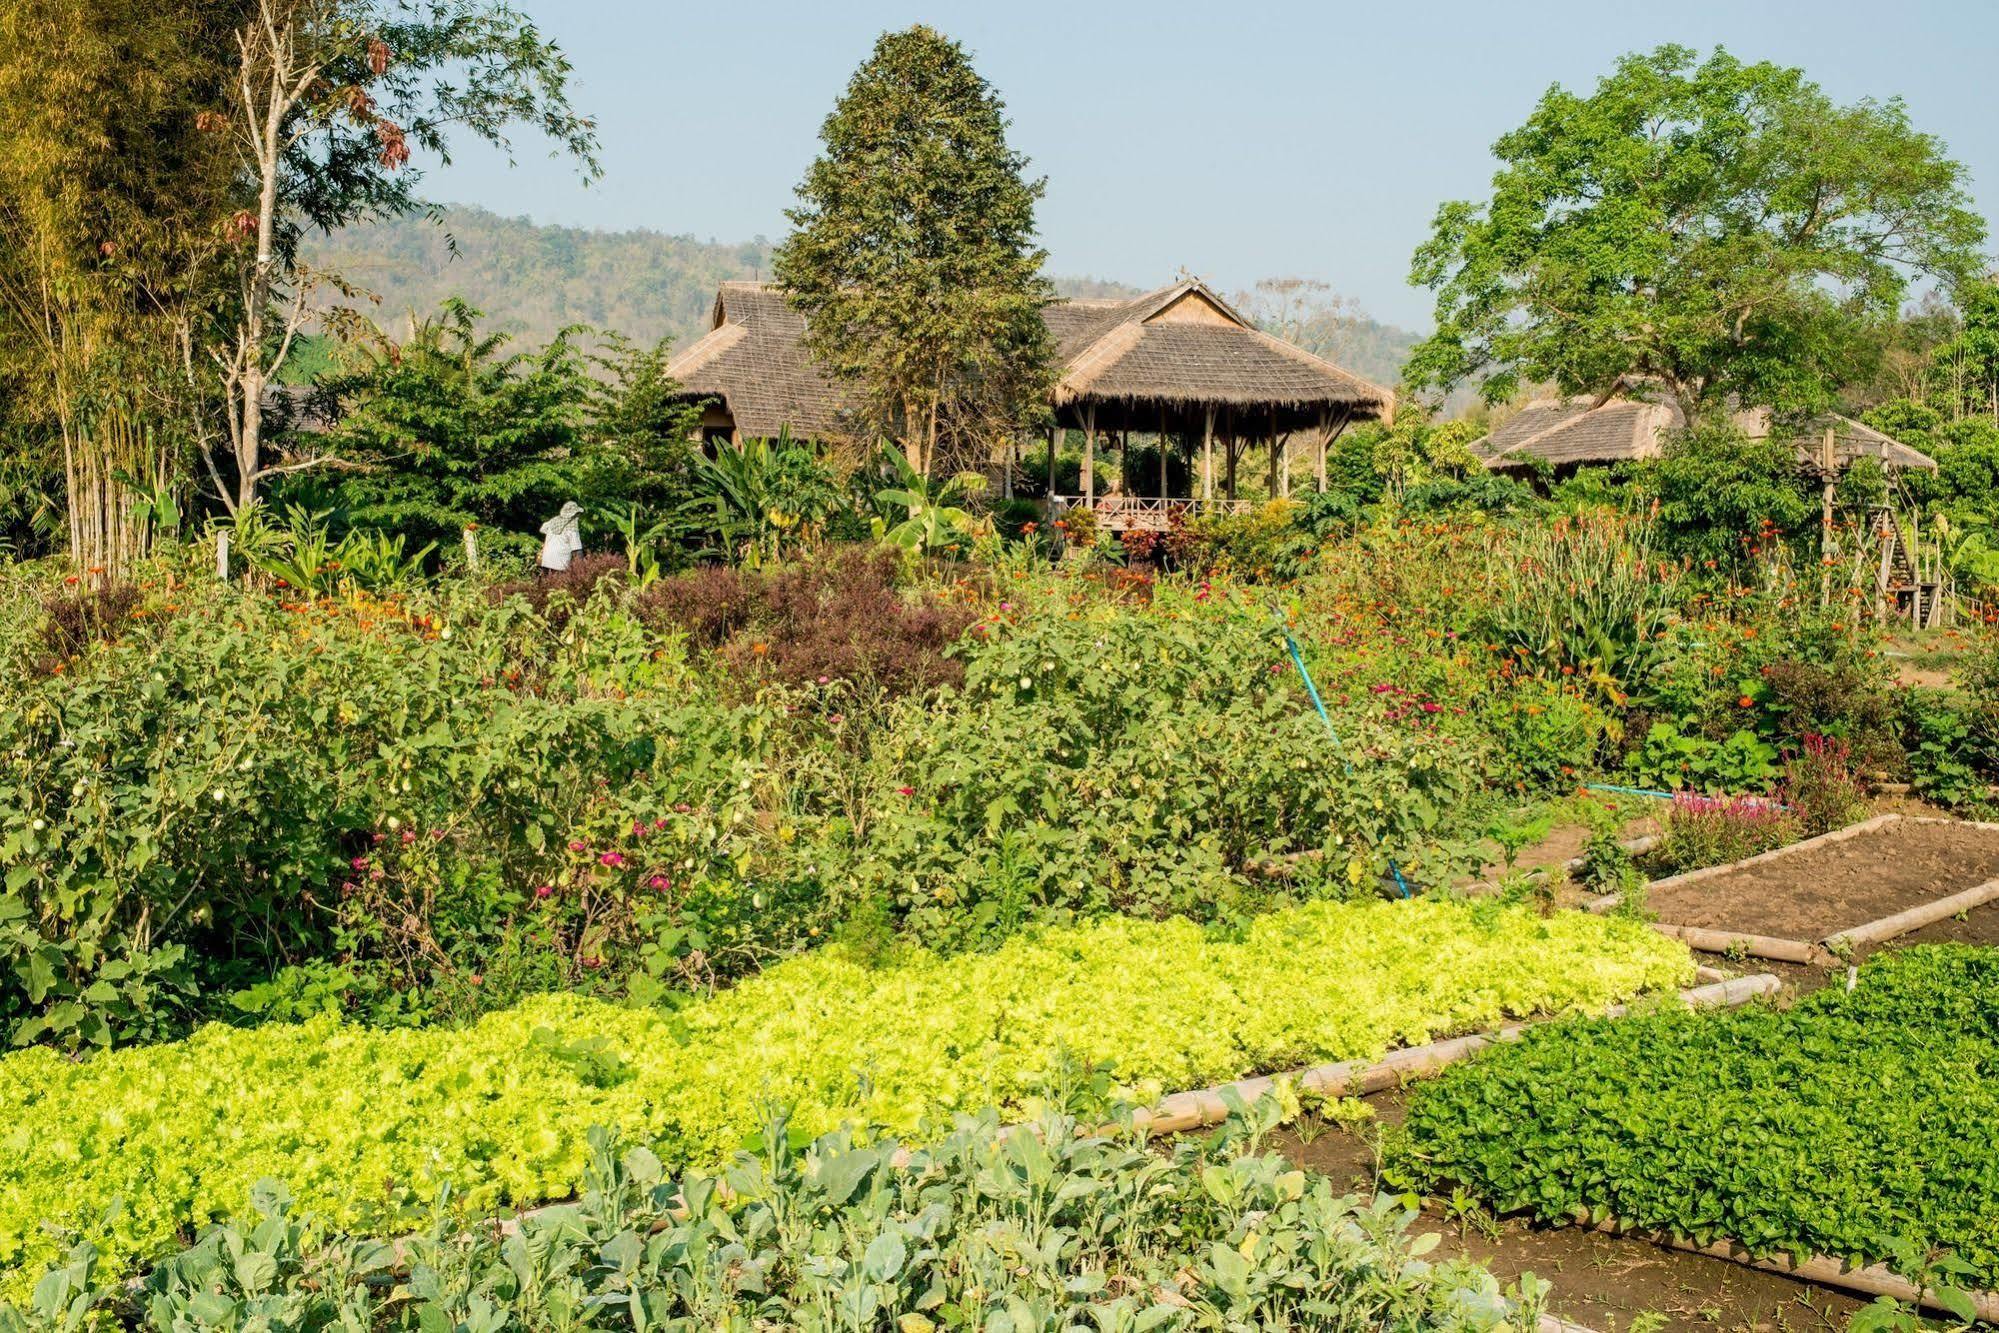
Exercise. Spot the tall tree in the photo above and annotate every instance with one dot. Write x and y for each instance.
(329, 100)
(913, 254)
(1723, 229)
(110, 195)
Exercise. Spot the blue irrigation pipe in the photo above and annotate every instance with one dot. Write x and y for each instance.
(1298, 660)
(1629, 791)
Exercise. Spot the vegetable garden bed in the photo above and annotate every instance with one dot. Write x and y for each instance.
(1816, 899)
(1848, 1138)
(367, 1125)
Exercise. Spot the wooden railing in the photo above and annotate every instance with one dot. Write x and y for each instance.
(1148, 513)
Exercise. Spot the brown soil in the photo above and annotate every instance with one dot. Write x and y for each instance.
(1817, 892)
(1602, 1282)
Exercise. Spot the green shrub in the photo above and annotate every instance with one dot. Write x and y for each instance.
(1856, 1124)
(1142, 761)
(366, 1123)
(236, 782)
(980, 1230)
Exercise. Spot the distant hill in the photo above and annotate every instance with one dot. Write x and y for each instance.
(532, 280)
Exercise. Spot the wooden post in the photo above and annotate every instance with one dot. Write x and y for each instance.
(1090, 454)
(1051, 462)
(1162, 451)
(1325, 438)
(1208, 456)
(1231, 452)
(1273, 454)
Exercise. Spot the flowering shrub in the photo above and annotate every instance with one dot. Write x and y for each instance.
(1706, 831)
(1820, 787)
(244, 781)
(365, 1124)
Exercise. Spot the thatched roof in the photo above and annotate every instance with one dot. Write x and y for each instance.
(1180, 347)
(1589, 429)
(753, 359)
(1183, 346)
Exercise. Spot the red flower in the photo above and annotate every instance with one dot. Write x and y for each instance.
(544, 890)
(611, 859)
(905, 791)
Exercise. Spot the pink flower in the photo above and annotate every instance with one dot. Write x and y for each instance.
(905, 791)
(359, 863)
(409, 836)
(544, 890)
(682, 808)
(611, 859)
(661, 883)
(824, 679)
(1433, 708)
(476, 979)
(659, 823)
(638, 828)
(575, 846)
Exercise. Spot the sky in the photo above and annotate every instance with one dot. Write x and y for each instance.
(1235, 140)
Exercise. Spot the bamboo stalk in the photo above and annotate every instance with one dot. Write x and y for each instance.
(1184, 1111)
(1914, 918)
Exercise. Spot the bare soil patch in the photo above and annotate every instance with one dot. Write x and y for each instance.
(1819, 891)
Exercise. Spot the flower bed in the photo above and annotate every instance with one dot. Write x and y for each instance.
(1856, 1124)
(364, 1123)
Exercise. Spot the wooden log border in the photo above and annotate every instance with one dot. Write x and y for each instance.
(1185, 1111)
(1841, 942)
(1866, 1280)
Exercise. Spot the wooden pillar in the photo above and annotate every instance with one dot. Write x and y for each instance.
(1324, 438)
(1051, 462)
(1208, 457)
(1162, 451)
(1232, 449)
(1274, 479)
(1090, 454)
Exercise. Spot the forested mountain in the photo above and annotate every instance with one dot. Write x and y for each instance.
(531, 280)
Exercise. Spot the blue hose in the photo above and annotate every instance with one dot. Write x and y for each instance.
(1298, 660)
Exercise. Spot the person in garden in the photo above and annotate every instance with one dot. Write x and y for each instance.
(562, 538)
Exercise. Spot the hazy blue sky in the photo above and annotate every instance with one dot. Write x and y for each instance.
(1239, 140)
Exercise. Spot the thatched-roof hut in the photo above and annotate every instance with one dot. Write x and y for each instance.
(1180, 363)
(1590, 430)
(751, 372)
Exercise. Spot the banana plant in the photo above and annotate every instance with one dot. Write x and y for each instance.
(921, 515)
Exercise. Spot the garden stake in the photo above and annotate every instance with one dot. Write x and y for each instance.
(1298, 660)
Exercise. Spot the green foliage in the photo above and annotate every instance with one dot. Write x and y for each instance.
(761, 496)
(920, 516)
(980, 1228)
(1724, 497)
(1723, 228)
(248, 780)
(1696, 1123)
(1140, 762)
(1669, 758)
(179, 1132)
(913, 254)
(449, 430)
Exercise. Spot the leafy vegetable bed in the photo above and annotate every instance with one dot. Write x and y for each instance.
(1857, 1124)
(363, 1122)
(980, 1231)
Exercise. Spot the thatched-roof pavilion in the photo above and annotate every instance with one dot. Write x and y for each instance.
(1179, 363)
(1589, 430)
